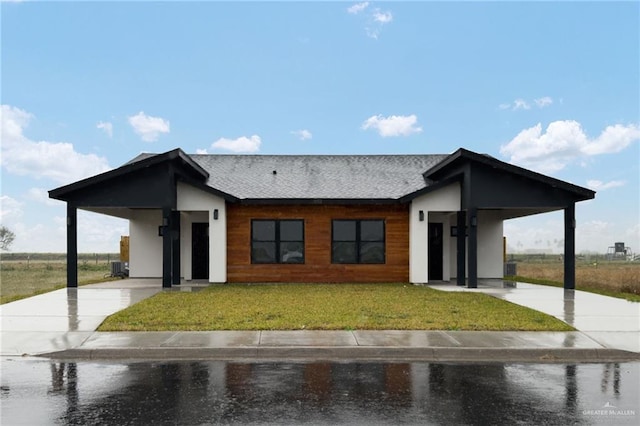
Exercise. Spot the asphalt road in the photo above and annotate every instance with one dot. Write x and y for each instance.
(42, 392)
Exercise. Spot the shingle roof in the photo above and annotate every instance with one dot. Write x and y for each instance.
(302, 177)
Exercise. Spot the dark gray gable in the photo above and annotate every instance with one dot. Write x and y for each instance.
(148, 182)
(491, 183)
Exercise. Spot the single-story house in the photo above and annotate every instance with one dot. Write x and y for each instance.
(319, 218)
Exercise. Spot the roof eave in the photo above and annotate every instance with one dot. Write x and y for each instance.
(175, 154)
(460, 154)
(319, 201)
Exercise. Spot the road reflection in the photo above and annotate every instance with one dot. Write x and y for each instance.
(319, 393)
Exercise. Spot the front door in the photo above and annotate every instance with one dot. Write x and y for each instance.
(435, 251)
(199, 251)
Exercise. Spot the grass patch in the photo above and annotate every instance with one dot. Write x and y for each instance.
(327, 307)
(615, 279)
(21, 279)
(632, 297)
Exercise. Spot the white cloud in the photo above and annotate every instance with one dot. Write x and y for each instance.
(543, 102)
(394, 125)
(598, 185)
(10, 210)
(303, 134)
(147, 127)
(382, 17)
(520, 104)
(41, 196)
(107, 127)
(241, 144)
(613, 139)
(545, 234)
(100, 233)
(56, 161)
(201, 151)
(96, 234)
(634, 234)
(564, 142)
(542, 234)
(358, 7)
(373, 20)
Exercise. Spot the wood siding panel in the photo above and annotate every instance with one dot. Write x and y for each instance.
(317, 266)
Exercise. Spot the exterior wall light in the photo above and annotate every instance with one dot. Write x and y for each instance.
(421, 216)
(215, 214)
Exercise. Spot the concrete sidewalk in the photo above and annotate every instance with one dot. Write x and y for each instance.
(390, 345)
(62, 324)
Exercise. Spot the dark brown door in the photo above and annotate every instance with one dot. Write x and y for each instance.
(435, 251)
(199, 251)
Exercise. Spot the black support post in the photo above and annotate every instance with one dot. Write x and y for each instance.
(570, 247)
(461, 250)
(72, 245)
(472, 257)
(175, 247)
(166, 247)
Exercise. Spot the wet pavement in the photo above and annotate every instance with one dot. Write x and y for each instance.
(41, 392)
(61, 325)
(612, 322)
(67, 317)
(397, 345)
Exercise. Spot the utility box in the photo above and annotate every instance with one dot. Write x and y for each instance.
(510, 269)
(119, 269)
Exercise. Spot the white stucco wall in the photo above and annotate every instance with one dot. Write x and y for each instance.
(198, 206)
(187, 219)
(490, 250)
(433, 204)
(145, 246)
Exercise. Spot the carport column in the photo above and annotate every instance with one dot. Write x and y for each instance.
(72, 245)
(570, 247)
(166, 247)
(175, 247)
(461, 250)
(472, 257)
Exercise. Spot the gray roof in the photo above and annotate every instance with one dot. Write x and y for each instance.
(349, 177)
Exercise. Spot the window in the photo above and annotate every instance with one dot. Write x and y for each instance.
(277, 241)
(358, 241)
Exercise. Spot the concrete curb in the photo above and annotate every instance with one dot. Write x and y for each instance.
(369, 353)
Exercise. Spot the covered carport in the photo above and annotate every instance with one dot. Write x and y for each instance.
(146, 183)
(508, 191)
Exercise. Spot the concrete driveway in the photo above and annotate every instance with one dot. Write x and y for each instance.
(65, 318)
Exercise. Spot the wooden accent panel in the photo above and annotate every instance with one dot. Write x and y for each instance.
(317, 266)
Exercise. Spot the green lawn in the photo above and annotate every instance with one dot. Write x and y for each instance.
(327, 307)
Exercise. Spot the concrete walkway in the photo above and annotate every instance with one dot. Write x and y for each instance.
(612, 322)
(62, 324)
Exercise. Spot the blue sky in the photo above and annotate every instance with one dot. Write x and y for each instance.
(549, 86)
